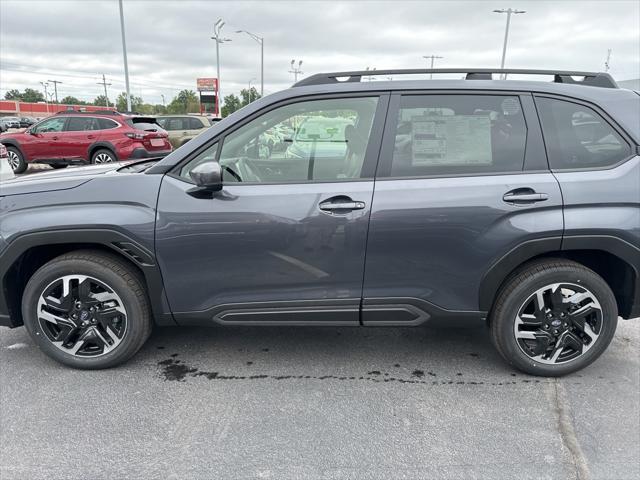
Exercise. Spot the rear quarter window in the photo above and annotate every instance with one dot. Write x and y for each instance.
(578, 137)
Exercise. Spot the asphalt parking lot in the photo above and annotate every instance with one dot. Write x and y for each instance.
(336, 403)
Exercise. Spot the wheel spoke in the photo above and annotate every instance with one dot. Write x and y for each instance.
(55, 319)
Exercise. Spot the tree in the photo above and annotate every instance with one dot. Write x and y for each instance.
(249, 96)
(31, 95)
(121, 102)
(184, 102)
(102, 101)
(13, 94)
(70, 100)
(231, 104)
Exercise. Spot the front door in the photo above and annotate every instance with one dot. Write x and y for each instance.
(462, 183)
(284, 241)
(44, 141)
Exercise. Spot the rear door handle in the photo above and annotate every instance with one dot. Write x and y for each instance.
(54, 138)
(524, 195)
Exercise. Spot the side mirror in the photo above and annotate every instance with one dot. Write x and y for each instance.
(207, 176)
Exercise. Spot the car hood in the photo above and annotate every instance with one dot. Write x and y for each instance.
(62, 179)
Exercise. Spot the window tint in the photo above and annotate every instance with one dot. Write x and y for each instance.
(106, 123)
(50, 125)
(458, 134)
(577, 137)
(195, 124)
(79, 124)
(322, 140)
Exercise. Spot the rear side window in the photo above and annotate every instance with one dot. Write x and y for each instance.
(458, 134)
(80, 124)
(576, 136)
(106, 123)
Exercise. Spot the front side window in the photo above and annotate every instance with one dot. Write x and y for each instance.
(50, 125)
(577, 137)
(458, 134)
(321, 140)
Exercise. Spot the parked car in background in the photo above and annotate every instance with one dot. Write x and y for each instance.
(499, 204)
(6, 172)
(70, 137)
(182, 128)
(26, 122)
(10, 122)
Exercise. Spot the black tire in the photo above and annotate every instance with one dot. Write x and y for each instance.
(519, 288)
(122, 278)
(103, 155)
(18, 163)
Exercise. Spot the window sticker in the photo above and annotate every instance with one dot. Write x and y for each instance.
(451, 140)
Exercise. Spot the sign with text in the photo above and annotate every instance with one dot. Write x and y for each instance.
(207, 84)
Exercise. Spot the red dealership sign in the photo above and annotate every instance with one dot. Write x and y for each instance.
(207, 84)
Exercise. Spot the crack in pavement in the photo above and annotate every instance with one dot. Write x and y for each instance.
(567, 431)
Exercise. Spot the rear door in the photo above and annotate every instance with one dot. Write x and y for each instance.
(79, 134)
(285, 239)
(462, 182)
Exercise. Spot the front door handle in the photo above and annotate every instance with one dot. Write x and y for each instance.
(524, 195)
(338, 205)
(54, 138)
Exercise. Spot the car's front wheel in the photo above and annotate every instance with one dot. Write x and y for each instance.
(553, 317)
(87, 309)
(16, 160)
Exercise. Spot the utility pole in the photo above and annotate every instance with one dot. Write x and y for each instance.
(46, 96)
(55, 87)
(370, 77)
(163, 103)
(124, 55)
(433, 59)
(105, 84)
(296, 70)
(217, 36)
(508, 11)
(606, 62)
(260, 40)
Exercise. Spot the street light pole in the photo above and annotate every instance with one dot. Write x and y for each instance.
(260, 40)
(433, 58)
(217, 36)
(296, 70)
(124, 55)
(508, 11)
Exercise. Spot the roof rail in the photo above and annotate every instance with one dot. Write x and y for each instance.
(86, 112)
(594, 79)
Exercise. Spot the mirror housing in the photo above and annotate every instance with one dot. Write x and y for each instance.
(208, 176)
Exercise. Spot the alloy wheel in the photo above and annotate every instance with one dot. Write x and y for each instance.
(558, 323)
(14, 160)
(103, 158)
(82, 316)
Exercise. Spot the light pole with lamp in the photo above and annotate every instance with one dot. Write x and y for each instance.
(296, 70)
(508, 11)
(217, 36)
(260, 40)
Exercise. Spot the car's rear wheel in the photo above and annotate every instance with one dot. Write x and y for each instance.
(16, 160)
(103, 156)
(87, 309)
(553, 317)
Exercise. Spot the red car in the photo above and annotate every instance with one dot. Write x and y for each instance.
(70, 138)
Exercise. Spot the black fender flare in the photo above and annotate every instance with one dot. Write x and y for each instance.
(525, 251)
(113, 240)
(98, 145)
(15, 144)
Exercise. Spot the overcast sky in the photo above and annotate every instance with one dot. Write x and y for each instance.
(169, 40)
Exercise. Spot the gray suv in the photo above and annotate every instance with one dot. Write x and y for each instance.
(511, 202)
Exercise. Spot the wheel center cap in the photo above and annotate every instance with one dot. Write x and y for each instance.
(84, 315)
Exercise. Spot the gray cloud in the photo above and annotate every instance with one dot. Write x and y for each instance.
(169, 44)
